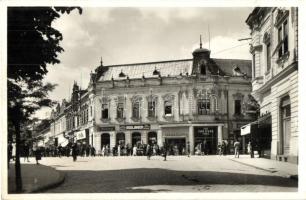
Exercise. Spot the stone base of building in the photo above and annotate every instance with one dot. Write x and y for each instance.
(286, 158)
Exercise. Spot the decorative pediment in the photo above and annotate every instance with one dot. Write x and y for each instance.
(168, 97)
(238, 96)
(281, 15)
(152, 98)
(136, 99)
(104, 100)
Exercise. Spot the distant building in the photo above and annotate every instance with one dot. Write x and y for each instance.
(200, 101)
(274, 48)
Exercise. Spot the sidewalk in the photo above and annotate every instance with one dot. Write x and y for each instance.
(34, 178)
(284, 169)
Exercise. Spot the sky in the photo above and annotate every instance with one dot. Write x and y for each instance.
(133, 35)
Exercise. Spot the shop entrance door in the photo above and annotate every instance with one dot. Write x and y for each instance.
(205, 140)
(176, 146)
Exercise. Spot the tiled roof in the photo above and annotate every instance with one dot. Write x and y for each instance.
(168, 68)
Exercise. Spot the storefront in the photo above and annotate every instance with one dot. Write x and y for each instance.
(205, 140)
(82, 136)
(176, 138)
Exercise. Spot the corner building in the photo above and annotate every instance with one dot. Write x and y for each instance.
(199, 100)
(274, 48)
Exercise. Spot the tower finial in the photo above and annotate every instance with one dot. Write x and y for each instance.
(200, 41)
(101, 62)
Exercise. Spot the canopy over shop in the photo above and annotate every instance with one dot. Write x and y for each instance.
(259, 133)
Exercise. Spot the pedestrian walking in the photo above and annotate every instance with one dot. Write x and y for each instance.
(93, 151)
(134, 150)
(237, 147)
(165, 151)
(37, 153)
(119, 150)
(250, 149)
(74, 151)
(149, 151)
(188, 149)
(26, 152)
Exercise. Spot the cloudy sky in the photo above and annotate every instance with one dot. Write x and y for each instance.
(131, 35)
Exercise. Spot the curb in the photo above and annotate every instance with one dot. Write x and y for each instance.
(267, 170)
(51, 185)
(290, 176)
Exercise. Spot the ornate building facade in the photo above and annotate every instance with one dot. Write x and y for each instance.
(199, 100)
(274, 48)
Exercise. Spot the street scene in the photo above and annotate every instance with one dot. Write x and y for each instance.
(177, 174)
(201, 104)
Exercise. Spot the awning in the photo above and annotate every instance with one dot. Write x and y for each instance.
(246, 129)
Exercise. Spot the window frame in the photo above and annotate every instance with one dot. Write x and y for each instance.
(103, 110)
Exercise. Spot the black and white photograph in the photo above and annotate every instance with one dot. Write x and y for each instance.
(153, 101)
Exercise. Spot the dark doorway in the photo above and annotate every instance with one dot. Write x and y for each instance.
(105, 139)
(120, 139)
(176, 146)
(205, 140)
(136, 138)
(152, 138)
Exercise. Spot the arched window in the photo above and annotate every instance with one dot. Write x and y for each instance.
(152, 101)
(203, 103)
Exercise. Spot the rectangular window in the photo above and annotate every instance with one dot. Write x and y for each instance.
(135, 112)
(120, 110)
(280, 40)
(285, 37)
(151, 109)
(203, 106)
(104, 111)
(90, 111)
(238, 107)
(168, 108)
(268, 57)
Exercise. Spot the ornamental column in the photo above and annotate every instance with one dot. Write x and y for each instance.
(191, 139)
(220, 134)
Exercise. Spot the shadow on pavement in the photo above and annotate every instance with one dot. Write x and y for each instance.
(112, 181)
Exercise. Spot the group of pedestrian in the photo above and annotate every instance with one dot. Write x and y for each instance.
(222, 148)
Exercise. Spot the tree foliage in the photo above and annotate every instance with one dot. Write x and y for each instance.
(32, 44)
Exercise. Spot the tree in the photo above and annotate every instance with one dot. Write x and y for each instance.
(32, 44)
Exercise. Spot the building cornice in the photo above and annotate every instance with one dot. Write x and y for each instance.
(283, 74)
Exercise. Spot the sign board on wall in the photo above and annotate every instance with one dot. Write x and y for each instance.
(109, 128)
(135, 127)
(80, 135)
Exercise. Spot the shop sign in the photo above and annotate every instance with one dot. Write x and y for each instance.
(135, 127)
(110, 128)
(205, 131)
(80, 135)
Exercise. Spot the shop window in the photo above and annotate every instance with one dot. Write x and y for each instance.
(237, 107)
(168, 108)
(203, 106)
(104, 111)
(151, 108)
(120, 111)
(135, 110)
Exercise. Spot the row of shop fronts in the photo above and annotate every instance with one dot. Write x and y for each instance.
(175, 136)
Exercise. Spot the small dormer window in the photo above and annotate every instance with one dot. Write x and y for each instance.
(122, 74)
(156, 72)
(202, 67)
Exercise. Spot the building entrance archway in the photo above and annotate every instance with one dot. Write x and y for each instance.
(105, 139)
(136, 138)
(152, 138)
(120, 139)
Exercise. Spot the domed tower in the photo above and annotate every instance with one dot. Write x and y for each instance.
(201, 58)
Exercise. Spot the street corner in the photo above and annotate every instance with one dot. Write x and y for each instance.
(35, 178)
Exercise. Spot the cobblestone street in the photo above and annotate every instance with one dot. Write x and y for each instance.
(177, 174)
